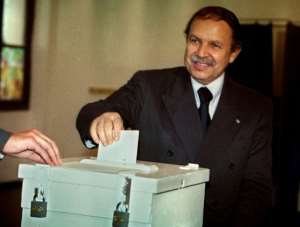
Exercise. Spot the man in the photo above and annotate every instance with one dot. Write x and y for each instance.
(163, 104)
(31, 144)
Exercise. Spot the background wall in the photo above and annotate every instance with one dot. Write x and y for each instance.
(78, 44)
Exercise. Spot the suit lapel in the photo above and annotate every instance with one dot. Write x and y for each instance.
(181, 107)
(224, 126)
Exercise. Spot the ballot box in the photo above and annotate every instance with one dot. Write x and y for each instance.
(89, 193)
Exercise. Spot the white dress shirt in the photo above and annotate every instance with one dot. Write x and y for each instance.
(215, 87)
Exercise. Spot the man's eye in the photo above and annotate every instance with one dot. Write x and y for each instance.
(193, 40)
(216, 45)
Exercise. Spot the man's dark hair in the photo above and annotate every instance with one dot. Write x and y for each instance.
(218, 13)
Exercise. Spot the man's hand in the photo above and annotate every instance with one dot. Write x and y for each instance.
(32, 145)
(106, 128)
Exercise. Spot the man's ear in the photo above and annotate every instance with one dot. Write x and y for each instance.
(234, 54)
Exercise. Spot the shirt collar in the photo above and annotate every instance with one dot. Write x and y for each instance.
(215, 87)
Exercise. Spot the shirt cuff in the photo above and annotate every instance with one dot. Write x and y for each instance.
(89, 143)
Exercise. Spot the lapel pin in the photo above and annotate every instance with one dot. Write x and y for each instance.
(237, 121)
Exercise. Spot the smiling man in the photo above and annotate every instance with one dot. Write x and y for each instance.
(210, 47)
(196, 114)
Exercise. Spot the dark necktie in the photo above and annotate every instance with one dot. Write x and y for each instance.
(205, 97)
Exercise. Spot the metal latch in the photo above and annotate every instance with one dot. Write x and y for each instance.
(38, 208)
(121, 214)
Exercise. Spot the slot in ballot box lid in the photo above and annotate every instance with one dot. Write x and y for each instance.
(90, 190)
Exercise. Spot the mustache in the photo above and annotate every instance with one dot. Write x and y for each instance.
(203, 60)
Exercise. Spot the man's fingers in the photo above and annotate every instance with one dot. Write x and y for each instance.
(49, 146)
(94, 131)
(19, 145)
(37, 146)
(108, 131)
(99, 130)
(106, 128)
(118, 126)
(29, 154)
(112, 127)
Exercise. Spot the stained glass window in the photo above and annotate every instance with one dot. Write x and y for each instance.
(16, 19)
(12, 73)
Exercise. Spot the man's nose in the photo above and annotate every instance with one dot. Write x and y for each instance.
(202, 50)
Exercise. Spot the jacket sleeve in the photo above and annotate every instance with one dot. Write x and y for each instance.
(126, 101)
(4, 136)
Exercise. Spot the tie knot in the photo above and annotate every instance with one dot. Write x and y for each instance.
(204, 95)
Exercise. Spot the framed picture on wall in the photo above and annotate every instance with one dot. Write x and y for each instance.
(16, 18)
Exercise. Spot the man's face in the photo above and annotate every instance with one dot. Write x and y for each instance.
(208, 49)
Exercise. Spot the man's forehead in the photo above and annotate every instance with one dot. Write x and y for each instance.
(219, 23)
(211, 24)
(209, 20)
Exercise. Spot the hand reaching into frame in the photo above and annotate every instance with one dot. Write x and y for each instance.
(33, 145)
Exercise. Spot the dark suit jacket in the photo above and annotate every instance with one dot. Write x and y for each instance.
(236, 149)
(4, 136)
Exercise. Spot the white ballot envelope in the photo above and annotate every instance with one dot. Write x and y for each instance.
(124, 150)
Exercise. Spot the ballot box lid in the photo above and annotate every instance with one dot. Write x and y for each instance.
(167, 177)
